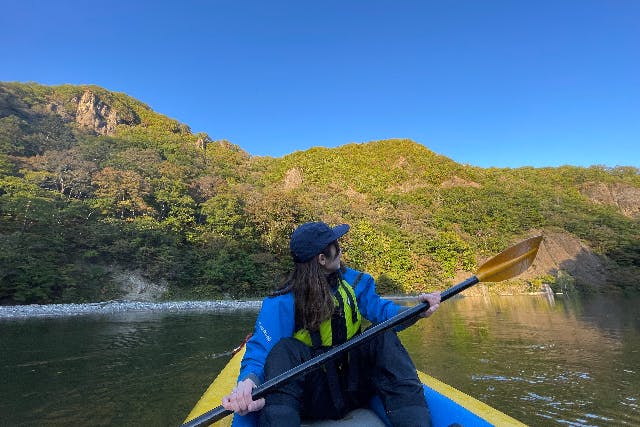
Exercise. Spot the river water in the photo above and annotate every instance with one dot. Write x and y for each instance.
(545, 361)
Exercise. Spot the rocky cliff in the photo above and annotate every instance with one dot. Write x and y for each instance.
(94, 114)
(624, 197)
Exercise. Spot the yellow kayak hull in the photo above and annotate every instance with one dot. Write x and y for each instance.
(446, 403)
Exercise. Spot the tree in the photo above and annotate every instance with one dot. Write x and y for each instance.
(176, 207)
(68, 172)
(225, 215)
(146, 161)
(121, 193)
(11, 135)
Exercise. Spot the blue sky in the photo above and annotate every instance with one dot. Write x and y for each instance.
(488, 83)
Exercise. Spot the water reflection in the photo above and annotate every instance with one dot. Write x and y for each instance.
(124, 369)
(572, 360)
(563, 361)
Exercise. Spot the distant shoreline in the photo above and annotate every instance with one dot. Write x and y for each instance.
(17, 312)
(115, 307)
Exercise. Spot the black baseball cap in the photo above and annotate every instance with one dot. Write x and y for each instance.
(310, 239)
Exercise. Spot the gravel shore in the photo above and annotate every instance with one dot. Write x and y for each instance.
(110, 307)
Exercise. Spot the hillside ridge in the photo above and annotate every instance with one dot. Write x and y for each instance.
(93, 182)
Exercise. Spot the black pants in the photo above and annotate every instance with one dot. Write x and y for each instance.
(380, 366)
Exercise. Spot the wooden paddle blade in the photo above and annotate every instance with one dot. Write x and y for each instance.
(510, 262)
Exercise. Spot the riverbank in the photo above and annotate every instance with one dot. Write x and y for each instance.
(111, 307)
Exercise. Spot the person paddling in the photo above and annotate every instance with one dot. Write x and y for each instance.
(322, 305)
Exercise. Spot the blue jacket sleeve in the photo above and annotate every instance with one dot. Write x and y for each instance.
(275, 321)
(371, 305)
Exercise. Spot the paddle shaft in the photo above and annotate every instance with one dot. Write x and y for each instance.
(507, 264)
(314, 363)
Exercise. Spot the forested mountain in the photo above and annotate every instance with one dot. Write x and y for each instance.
(93, 182)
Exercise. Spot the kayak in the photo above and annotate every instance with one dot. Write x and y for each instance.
(446, 404)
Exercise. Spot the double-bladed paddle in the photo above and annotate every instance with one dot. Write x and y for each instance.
(507, 264)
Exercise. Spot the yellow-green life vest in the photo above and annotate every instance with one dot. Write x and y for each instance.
(346, 318)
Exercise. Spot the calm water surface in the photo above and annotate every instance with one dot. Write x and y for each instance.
(569, 361)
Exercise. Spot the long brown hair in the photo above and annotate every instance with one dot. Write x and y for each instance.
(312, 294)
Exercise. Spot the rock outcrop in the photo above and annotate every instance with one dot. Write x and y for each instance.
(135, 287)
(623, 196)
(564, 252)
(94, 114)
(293, 179)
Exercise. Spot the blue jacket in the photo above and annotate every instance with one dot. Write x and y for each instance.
(276, 320)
